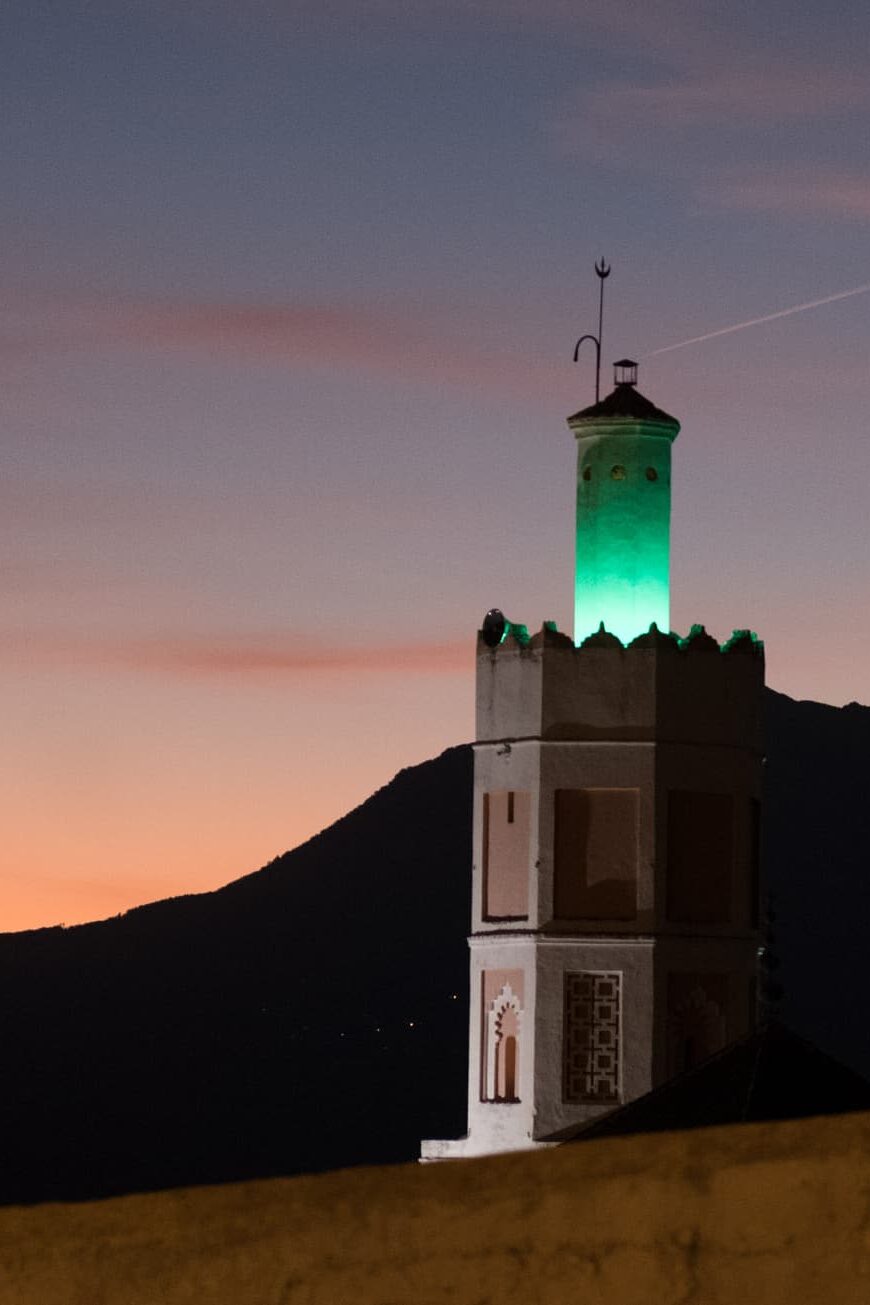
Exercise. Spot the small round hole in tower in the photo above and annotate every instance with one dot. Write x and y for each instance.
(651, 473)
(617, 473)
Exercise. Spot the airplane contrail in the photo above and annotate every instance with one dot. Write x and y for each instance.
(768, 317)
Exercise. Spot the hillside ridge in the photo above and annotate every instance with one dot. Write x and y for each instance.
(313, 1013)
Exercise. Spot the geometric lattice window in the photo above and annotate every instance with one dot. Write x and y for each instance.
(591, 1040)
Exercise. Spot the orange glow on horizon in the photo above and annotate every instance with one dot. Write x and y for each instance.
(130, 788)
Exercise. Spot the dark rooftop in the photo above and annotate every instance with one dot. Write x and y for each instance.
(625, 401)
(770, 1074)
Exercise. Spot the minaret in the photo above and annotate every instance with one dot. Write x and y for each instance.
(622, 574)
(617, 789)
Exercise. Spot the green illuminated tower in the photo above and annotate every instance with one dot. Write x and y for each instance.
(622, 575)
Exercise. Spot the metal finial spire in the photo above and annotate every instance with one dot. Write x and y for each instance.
(602, 271)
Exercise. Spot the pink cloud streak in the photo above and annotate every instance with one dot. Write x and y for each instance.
(658, 24)
(627, 117)
(279, 655)
(400, 344)
(732, 95)
(811, 192)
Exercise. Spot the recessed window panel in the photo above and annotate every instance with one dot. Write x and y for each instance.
(595, 854)
(700, 857)
(507, 818)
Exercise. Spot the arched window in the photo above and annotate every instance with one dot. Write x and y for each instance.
(503, 1047)
(507, 1027)
(696, 1024)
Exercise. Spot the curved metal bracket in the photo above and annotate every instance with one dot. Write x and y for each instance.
(595, 340)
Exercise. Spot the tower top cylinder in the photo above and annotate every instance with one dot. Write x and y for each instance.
(622, 573)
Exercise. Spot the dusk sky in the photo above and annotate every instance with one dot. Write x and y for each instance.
(290, 293)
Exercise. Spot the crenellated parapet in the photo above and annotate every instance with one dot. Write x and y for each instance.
(659, 687)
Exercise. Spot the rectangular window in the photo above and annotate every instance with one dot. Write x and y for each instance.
(507, 827)
(595, 854)
(700, 857)
(592, 1037)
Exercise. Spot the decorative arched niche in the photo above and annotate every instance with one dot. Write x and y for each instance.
(503, 1041)
(697, 1026)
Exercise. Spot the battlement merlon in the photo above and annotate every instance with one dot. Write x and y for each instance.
(657, 689)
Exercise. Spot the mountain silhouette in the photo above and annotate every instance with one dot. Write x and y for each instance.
(314, 1014)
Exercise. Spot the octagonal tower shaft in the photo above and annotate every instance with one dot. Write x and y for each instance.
(623, 521)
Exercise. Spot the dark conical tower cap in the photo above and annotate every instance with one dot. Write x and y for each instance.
(625, 403)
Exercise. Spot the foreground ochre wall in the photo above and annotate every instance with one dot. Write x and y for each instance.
(755, 1214)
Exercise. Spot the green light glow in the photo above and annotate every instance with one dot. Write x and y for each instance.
(623, 527)
(737, 636)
